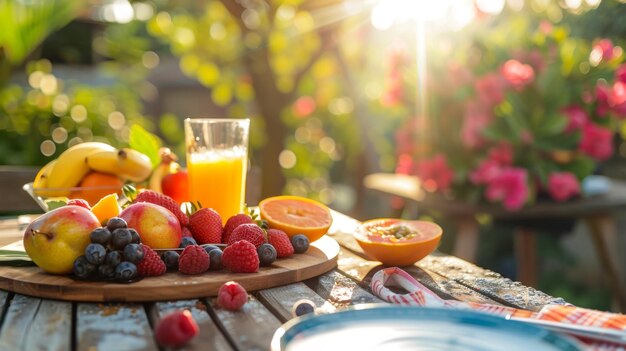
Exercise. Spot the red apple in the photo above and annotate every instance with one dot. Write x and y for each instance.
(176, 186)
(157, 226)
(57, 238)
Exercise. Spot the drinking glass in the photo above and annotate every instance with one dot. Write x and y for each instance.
(217, 160)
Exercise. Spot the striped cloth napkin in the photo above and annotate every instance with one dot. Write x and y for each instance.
(419, 295)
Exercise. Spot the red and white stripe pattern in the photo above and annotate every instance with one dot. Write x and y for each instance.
(419, 295)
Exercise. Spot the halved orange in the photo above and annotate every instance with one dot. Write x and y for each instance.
(296, 215)
(397, 242)
(106, 208)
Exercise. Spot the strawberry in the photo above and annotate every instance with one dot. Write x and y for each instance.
(193, 260)
(164, 201)
(176, 329)
(241, 257)
(281, 242)
(151, 265)
(206, 226)
(186, 232)
(249, 232)
(232, 296)
(79, 202)
(233, 222)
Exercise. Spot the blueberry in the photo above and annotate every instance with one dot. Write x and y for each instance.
(113, 258)
(120, 238)
(82, 267)
(187, 240)
(134, 235)
(267, 254)
(115, 223)
(95, 253)
(216, 260)
(106, 271)
(302, 307)
(100, 236)
(209, 248)
(171, 259)
(133, 253)
(300, 243)
(125, 271)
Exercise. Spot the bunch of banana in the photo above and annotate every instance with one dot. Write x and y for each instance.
(74, 163)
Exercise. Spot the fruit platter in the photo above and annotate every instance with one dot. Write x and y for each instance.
(145, 245)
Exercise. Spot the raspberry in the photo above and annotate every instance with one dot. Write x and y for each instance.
(151, 265)
(193, 260)
(186, 232)
(232, 296)
(206, 226)
(281, 242)
(79, 202)
(164, 201)
(241, 257)
(176, 329)
(249, 232)
(234, 222)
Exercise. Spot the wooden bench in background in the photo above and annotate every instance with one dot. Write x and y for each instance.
(13, 199)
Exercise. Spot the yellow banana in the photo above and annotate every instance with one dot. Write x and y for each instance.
(163, 169)
(41, 179)
(128, 164)
(71, 167)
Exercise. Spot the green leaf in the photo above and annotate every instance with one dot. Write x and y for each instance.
(145, 142)
(552, 125)
(563, 142)
(581, 167)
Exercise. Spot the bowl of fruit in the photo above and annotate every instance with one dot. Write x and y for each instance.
(397, 242)
(88, 171)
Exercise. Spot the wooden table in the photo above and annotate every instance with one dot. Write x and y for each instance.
(596, 211)
(30, 323)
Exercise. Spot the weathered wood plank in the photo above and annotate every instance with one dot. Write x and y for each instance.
(4, 300)
(489, 283)
(251, 328)
(280, 300)
(209, 332)
(113, 327)
(37, 324)
(340, 290)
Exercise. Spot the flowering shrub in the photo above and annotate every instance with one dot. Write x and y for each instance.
(518, 114)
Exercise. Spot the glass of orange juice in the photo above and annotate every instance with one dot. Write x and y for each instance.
(217, 161)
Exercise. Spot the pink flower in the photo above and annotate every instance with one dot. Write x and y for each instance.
(617, 99)
(510, 186)
(475, 120)
(620, 74)
(405, 164)
(563, 185)
(602, 50)
(490, 89)
(503, 154)
(596, 141)
(527, 137)
(487, 171)
(500, 157)
(435, 173)
(518, 74)
(602, 97)
(577, 117)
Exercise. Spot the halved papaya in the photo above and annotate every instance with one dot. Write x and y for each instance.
(397, 242)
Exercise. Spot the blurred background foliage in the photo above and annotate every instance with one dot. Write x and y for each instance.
(309, 73)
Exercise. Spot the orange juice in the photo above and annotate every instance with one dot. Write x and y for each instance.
(217, 181)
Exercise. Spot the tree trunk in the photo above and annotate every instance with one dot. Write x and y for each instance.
(271, 103)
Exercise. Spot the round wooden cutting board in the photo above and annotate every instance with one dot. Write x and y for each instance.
(320, 258)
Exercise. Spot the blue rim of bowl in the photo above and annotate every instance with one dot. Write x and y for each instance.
(293, 328)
